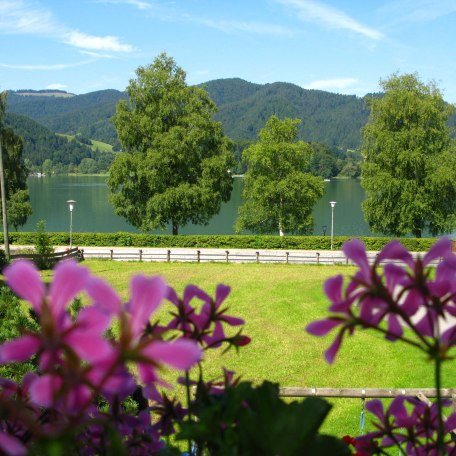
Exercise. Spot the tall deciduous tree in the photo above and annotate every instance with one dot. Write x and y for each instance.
(279, 191)
(176, 166)
(15, 173)
(409, 168)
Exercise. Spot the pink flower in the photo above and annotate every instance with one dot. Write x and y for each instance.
(147, 295)
(11, 446)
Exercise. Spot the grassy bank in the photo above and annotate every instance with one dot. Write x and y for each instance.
(277, 302)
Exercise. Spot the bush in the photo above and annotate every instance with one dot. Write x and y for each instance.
(43, 245)
(122, 239)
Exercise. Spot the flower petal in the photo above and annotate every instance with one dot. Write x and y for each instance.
(331, 352)
(103, 295)
(394, 250)
(333, 288)
(11, 446)
(24, 279)
(146, 296)
(89, 347)
(438, 250)
(376, 408)
(192, 291)
(180, 354)
(69, 279)
(19, 349)
(356, 251)
(323, 327)
(221, 294)
(93, 319)
(42, 390)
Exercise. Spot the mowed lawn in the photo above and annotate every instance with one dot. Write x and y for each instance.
(277, 301)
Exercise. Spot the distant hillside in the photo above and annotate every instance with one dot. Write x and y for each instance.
(44, 93)
(89, 114)
(41, 144)
(328, 118)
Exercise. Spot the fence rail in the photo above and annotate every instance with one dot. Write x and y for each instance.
(372, 393)
(222, 255)
(51, 258)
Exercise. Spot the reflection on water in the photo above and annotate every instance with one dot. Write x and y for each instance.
(94, 213)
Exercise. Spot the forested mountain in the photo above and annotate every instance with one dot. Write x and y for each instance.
(328, 118)
(331, 122)
(89, 114)
(44, 150)
(244, 108)
(41, 144)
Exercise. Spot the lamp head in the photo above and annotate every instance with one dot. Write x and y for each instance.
(71, 204)
(333, 203)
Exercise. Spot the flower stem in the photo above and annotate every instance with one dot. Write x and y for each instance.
(441, 430)
(189, 413)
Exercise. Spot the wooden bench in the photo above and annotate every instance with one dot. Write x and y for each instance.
(52, 258)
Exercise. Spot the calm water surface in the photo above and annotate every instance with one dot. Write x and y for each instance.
(94, 213)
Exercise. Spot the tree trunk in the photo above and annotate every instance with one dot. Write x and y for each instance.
(175, 229)
(417, 233)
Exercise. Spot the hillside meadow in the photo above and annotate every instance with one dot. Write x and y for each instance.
(277, 301)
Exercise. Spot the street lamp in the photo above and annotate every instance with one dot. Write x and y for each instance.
(333, 203)
(324, 228)
(71, 207)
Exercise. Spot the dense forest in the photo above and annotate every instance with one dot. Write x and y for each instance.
(330, 122)
(45, 151)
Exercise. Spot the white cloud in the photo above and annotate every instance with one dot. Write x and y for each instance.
(56, 66)
(140, 4)
(96, 55)
(256, 28)
(19, 17)
(56, 87)
(332, 84)
(96, 43)
(310, 10)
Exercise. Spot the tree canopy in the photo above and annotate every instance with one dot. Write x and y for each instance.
(15, 174)
(279, 191)
(176, 168)
(409, 168)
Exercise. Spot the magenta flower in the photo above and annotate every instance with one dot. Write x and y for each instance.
(398, 291)
(147, 295)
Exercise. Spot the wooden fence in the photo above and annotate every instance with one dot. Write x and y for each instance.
(222, 255)
(51, 258)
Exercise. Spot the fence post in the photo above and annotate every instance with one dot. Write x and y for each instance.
(140, 255)
(318, 257)
(168, 256)
(226, 255)
(346, 260)
(198, 253)
(257, 257)
(112, 254)
(287, 253)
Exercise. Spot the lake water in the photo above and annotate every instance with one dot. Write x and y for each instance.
(94, 213)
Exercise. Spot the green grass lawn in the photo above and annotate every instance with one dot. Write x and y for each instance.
(278, 301)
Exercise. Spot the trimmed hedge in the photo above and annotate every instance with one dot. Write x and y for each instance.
(121, 239)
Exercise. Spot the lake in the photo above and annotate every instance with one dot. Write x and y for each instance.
(94, 213)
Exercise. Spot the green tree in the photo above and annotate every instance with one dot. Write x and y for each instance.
(176, 168)
(409, 168)
(279, 191)
(15, 173)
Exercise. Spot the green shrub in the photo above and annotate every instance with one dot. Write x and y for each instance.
(3, 260)
(14, 321)
(122, 239)
(43, 245)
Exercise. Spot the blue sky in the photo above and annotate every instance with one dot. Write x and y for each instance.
(343, 46)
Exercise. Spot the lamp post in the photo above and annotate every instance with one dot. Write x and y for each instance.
(333, 203)
(71, 207)
(324, 228)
